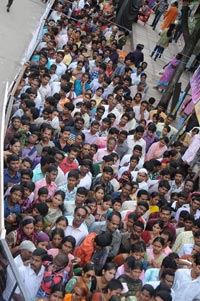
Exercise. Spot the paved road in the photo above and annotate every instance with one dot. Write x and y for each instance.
(145, 35)
(16, 31)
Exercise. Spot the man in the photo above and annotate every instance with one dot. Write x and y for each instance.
(122, 146)
(26, 249)
(85, 174)
(104, 180)
(76, 226)
(111, 225)
(62, 142)
(193, 208)
(32, 275)
(11, 173)
(29, 151)
(124, 195)
(46, 132)
(136, 139)
(111, 144)
(165, 216)
(69, 163)
(91, 135)
(136, 152)
(138, 56)
(12, 130)
(76, 129)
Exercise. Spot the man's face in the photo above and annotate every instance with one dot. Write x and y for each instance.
(107, 176)
(137, 152)
(25, 255)
(79, 217)
(169, 120)
(165, 215)
(65, 135)
(162, 190)
(36, 263)
(80, 199)
(178, 178)
(16, 124)
(141, 177)
(195, 204)
(138, 135)
(137, 230)
(126, 189)
(94, 129)
(114, 224)
(78, 125)
(72, 156)
(140, 210)
(169, 280)
(188, 186)
(46, 135)
(111, 145)
(58, 158)
(14, 165)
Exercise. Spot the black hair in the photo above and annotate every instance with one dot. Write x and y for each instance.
(70, 239)
(57, 231)
(104, 239)
(42, 190)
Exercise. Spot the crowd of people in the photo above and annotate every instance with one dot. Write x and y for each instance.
(102, 197)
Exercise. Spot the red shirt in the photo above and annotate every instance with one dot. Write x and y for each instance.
(67, 166)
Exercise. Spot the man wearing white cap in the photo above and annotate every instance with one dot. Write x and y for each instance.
(26, 249)
(141, 177)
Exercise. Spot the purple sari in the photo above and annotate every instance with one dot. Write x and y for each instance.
(168, 73)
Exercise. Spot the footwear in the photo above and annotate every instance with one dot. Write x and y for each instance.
(8, 9)
(154, 59)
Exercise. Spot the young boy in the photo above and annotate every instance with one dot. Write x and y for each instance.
(55, 273)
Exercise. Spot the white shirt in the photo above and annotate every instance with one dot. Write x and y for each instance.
(61, 67)
(79, 233)
(138, 116)
(132, 142)
(85, 182)
(126, 159)
(188, 291)
(10, 279)
(186, 249)
(31, 280)
(186, 207)
(181, 276)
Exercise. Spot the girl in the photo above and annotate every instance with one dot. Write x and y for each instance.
(25, 231)
(109, 69)
(137, 99)
(57, 293)
(88, 272)
(153, 202)
(157, 149)
(57, 236)
(108, 273)
(155, 253)
(42, 241)
(132, 280)
(39, 224)
(149, 236)
(104, 209)
(55, 207)
(99, 194)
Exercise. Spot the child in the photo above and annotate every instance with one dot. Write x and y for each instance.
(132, 280)
(103, 210)
(42, 241)
(54, 273)
(56, 208)
(39, 223)
(117, 205)
(153, 202)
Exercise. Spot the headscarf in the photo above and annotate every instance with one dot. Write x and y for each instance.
(126, 177)
(21, 236)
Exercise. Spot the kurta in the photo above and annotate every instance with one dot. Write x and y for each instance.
(170, 17)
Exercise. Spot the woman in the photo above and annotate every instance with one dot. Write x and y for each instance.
(108, 273)
(24, 232)
(149, 236)
(109, 69)
(155, 253)
(147, 293)
(168, 73)
(88, 272)
(165, 38)
(79, 293)
(114, 287)
(157, 149)
(77, 72)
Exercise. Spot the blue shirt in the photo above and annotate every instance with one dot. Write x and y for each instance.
(8, 178)
(78, 87)
(7, 211)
